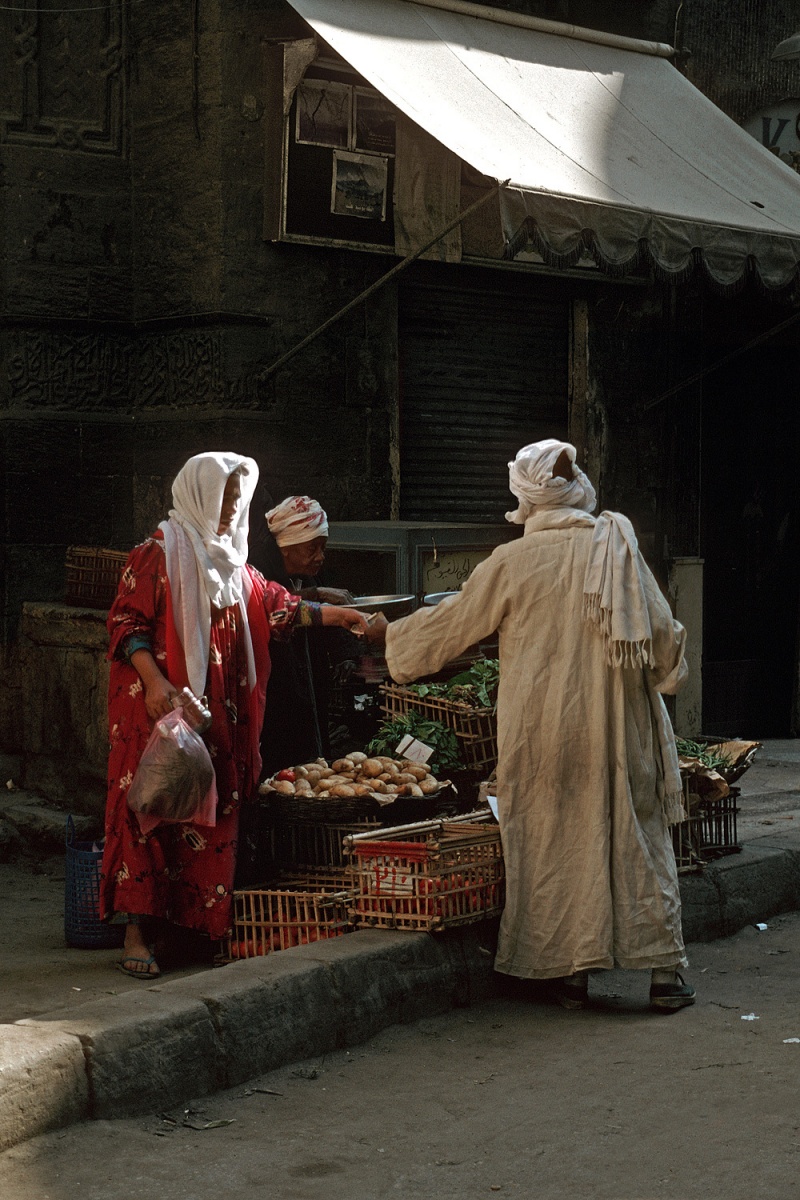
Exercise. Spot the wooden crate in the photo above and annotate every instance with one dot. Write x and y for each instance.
(294, 910)
(93, 575)
(301, 844)
(475, 728)
(429, 876)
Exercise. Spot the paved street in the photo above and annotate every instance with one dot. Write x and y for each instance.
(513, 1098)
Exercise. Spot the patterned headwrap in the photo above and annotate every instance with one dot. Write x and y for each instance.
(297, 519)
(531, 481)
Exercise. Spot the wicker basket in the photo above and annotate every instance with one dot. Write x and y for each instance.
(709, 831)
(92, 576)
(342, 810)
(82, 925)
(292, 911)
(429, 876)
(475, 728)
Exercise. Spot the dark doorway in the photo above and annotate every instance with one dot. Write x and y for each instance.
(750, 524)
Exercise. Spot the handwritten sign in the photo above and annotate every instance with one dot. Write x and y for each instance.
(450, 568)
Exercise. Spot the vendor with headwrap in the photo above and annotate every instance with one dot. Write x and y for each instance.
(296, 716)
(191, 612)
(587, 777)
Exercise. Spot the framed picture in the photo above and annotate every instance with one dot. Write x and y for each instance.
(359, 185)
(374, 121)
(323, 113)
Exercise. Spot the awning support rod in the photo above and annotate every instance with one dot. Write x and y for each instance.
(721, 362)
(379, 283)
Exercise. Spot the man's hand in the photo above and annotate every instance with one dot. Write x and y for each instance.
(339, 596)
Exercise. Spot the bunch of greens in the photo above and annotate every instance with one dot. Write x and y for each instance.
(477, 686)
(444, 742)
(705, 755)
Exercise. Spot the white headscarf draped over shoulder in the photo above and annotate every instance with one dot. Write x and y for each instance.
(204, 567)
(530, 478)
(614, 593)
(297, 519)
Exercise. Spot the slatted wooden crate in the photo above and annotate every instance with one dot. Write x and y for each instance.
(475, 728)
(294, 910)
(428, 876)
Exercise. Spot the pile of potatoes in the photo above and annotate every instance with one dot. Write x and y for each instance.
(355, 775)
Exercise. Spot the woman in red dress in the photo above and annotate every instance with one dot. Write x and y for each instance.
(191, 612)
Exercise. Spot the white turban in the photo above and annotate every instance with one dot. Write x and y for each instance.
(297, 519)
(531, 481)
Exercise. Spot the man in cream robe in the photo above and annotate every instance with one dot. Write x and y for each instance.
(587, 775)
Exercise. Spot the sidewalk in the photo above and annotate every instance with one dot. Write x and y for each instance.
(79, 1039)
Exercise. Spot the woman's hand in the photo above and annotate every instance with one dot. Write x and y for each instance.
(158, 691)
(345, 618)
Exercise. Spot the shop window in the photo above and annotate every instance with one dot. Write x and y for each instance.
(339, 156)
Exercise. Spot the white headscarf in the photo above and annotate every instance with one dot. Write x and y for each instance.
(530, 478)
(204, 567)
(297, 519)
(614, 593)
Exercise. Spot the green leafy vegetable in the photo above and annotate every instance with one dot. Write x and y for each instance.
(433, 733)
(477, 686)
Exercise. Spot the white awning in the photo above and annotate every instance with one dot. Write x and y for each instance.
(606, 147)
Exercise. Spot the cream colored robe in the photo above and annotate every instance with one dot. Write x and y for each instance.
(591, 878)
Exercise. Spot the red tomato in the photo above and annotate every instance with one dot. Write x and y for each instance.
(287, 774)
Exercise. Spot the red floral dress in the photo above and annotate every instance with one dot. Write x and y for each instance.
(184, 872)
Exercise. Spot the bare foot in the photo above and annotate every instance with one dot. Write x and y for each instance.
(137, 959)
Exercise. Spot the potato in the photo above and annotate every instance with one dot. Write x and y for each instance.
(405, 777)
(362, 789)
(377, 785)
(387, 762)
(326, 772)
(429, 785)
(385, 776)
(311, 766)
(391, 768)
(357, 757)
(312, 778)
(303, 788)
(417, 770)
(372, 768)
(284, 787)
(391, 789)
(322, 786)
(323, 795)
(299, 773)
(342, 789)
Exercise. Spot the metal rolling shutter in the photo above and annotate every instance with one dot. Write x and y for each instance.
(482, 373)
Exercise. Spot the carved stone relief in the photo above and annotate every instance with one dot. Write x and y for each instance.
(62, 77)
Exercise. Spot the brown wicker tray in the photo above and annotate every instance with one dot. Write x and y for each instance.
(92, 576)
(475, 728)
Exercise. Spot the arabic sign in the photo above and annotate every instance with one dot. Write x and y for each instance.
(447, 570)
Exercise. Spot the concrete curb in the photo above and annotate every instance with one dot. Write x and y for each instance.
(173, 1041)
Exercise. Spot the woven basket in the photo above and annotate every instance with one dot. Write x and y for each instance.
(82, 925)
(475, 728)
(92, 576)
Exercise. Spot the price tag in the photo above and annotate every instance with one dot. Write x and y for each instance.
(412, 750)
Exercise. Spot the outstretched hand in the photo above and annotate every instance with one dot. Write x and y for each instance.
(345, 618)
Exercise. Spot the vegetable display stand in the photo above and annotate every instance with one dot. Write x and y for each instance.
(303, 843)
(429, 876)
(294, 910)
(82, 925)
(475, 728)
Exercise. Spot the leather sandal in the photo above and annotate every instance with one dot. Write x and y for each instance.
(571, 991)
(668, 997)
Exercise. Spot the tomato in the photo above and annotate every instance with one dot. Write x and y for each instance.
(287, 774)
